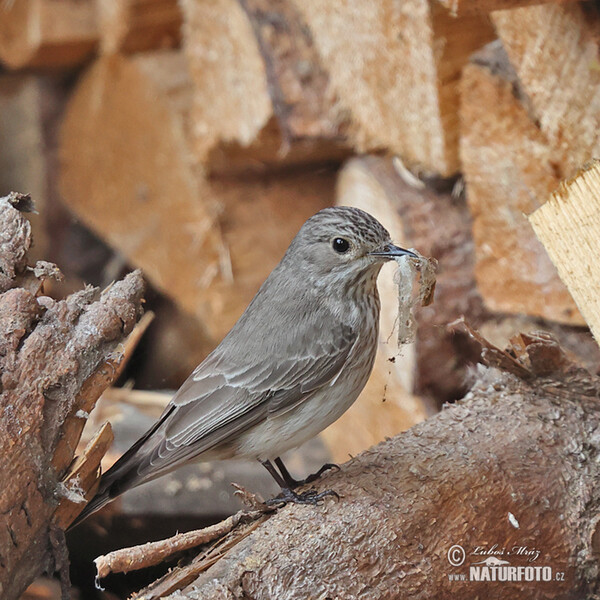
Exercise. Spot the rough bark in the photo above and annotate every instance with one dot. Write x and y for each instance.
(56, 357)
(138, 25)
(514, 464)
(201, 242)
(510, 170)
(262, 96)
(395, 69)
(569, 227)
(47, 33)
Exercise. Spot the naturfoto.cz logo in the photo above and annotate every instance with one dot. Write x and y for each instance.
(491, 564)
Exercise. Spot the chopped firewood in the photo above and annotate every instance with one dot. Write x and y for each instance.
(138, 25)
(464, 7)
(262, 96)
(569, 227)
(395, 69)
(203, 243)
(149, 206)
(510, 170)
(422, 503)
(47, 33)
(554, 49)
(56, 358)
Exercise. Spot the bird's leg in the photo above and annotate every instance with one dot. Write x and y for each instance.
(294, 483)
(287, 494)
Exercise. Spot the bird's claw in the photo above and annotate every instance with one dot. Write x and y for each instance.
(323, 469)
(308, 497)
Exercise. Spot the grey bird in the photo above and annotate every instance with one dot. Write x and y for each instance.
(294, 362)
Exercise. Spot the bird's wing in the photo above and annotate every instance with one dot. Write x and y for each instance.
(221, 396)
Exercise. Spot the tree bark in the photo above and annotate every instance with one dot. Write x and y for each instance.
(511, 467)
(56, 357)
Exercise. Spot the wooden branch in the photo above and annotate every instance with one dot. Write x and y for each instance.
(569, 227)
(395, 69)
(465, 7)
(47, 33)
(460, 478)
(547, 44)
(153, 553)
(138, 25)
(56, 357)
(215, 231)
(510, 169)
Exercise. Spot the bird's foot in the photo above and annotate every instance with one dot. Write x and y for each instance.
(326, 467)
(309, 497)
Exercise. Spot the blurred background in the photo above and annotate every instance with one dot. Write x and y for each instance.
(192, 139)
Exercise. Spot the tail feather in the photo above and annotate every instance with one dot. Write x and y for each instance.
(122, 476)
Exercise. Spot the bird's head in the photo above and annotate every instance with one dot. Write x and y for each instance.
(343, 243)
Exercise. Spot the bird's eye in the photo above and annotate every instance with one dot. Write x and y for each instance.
(341, 245)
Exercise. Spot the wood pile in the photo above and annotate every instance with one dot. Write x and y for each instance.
(192, 138)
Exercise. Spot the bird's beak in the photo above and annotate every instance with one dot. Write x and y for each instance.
(390, 251)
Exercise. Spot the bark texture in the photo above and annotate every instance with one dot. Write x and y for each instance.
(56, 357)
(514, 464)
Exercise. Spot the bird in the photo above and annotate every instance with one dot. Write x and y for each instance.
(293, 363)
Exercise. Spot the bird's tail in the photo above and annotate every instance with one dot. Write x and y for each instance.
(123, 475)
(112, 484)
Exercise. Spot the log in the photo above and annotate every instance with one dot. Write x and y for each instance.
(138, 25)
(549, 45)
(395, 69)
(47, 33)
(433, 504)
(206, 244)
(464, 7)
(56, 359)
(510, 169)
(569, 227)
(262, 97)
